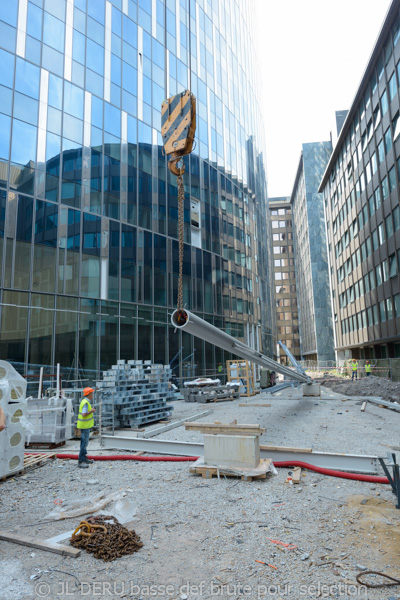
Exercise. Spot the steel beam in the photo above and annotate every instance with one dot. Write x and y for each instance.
(158, 430)
(355, 463)
(187, 321)
(378, 401)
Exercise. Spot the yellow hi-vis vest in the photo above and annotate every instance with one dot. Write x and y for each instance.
(354, 366)
(368, 368)
(85, 421)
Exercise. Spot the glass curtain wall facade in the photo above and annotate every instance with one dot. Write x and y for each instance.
(88, 208)
(312, 273)
(361, 193)
(287, 316)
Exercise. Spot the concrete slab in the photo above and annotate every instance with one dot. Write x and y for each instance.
(311, 389)
(232, 450)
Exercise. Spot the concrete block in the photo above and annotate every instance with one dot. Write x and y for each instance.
(232, 450)
(311, 389)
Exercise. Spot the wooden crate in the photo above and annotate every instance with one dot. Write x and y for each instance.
(242, 372)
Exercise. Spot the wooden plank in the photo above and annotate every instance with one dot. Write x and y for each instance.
(217, 427)
(364, 404)
(34, 542)
(296, 476)
(250, 404)
(286, 449)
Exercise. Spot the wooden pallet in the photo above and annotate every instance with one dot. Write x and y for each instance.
(45, 445)
(246, 474)
(29, 462)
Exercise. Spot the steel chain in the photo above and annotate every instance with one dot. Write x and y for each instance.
(106, 540)
(181, 233)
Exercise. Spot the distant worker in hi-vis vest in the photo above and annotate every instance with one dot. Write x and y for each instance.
(354, 366)
(85, 422)
(368, 368)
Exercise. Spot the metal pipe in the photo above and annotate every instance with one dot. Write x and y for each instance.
(40, 392)
(183, 319)
(58, 391)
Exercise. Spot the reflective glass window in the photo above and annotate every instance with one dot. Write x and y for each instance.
(27, 78)
(25, 108)
(5, 124)
(23, 143)
(7, 70)
(9, 12)
(95, 9)
(53, 32)
(384, 103)
(55, 91)
(95, 57)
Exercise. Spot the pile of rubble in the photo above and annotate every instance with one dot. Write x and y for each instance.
(367, 386)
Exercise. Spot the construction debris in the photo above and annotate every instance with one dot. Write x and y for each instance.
(367, 386)
(105, 538)
(34, 542)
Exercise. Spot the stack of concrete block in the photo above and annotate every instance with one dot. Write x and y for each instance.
(13, 402)
(51, 420)
(134, 393)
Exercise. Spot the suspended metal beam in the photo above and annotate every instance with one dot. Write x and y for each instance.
(379, 401)
(354, 463)
(290, 356)
(187, 321)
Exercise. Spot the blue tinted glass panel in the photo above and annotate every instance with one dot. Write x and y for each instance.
(129, 78)
(55, 91)
(78, 47)
(34, 21)
(5, 123)
(46, 223)
(94, 83)
(33, 49)
(24, 143)
(130, 31)
(95, 9)
(7, 68)
(72, 128)
(5, 100)
(144, 133)
(116, 21)
(73, 100)
(24, 220)
(97, 112)
(52, 146)
(115, 69)
(7, 36)
(112, 119)
(79, 21)
(9, 12)
(27, 78)
(95, 57)
(25, 108)
(53, 32)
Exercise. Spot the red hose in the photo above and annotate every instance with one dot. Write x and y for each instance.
(286, 463)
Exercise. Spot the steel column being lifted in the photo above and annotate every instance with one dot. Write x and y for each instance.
(187, 321)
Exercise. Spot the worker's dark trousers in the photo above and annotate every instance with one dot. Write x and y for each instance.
(354, 375)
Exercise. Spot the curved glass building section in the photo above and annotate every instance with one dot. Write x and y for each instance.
(88, 219)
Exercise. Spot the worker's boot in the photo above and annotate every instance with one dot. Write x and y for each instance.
(83, 465)
(89, 461)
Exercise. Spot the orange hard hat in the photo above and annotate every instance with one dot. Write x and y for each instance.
(88, 391)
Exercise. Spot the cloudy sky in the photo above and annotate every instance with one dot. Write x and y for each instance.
(316, 53)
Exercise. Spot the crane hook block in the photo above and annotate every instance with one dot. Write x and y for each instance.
(178, 126)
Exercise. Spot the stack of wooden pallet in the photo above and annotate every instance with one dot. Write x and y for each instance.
(135, 393)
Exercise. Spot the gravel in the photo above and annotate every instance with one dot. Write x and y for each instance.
(203, 537)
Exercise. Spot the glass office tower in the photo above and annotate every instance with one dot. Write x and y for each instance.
(88, 219)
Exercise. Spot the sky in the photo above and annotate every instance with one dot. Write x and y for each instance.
(314, 54)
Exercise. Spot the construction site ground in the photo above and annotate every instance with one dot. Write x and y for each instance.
(201, 537)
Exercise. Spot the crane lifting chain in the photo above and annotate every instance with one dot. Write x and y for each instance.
(178, 126)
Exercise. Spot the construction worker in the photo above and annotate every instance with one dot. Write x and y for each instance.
(85, 422)
(2, 419)
(367, 368)
(354, 367)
